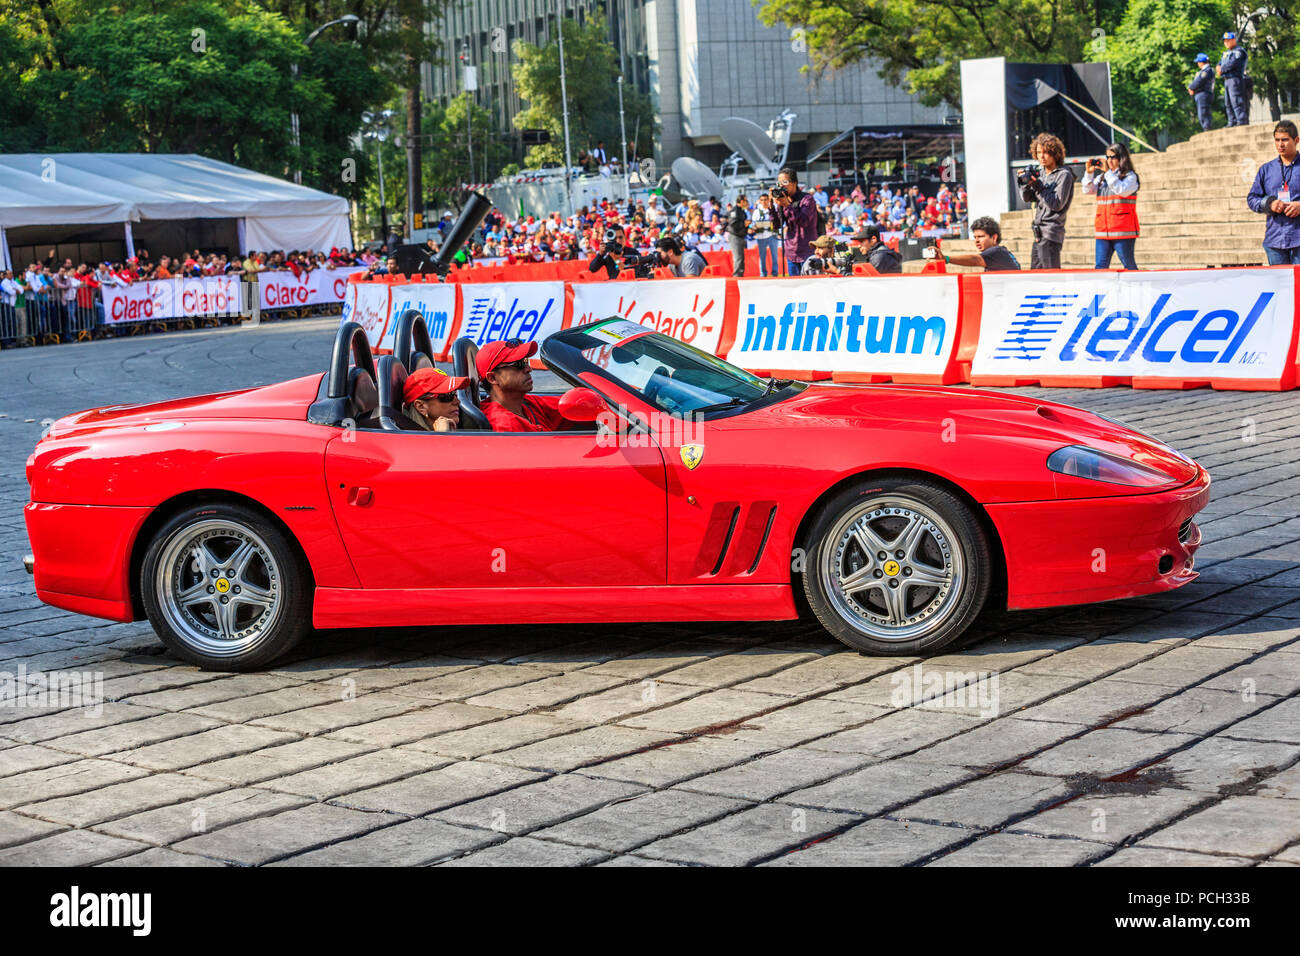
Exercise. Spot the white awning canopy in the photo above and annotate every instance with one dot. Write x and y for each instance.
(47, 189)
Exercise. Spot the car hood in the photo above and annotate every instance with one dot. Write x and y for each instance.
(1018, 418)
(284, 400)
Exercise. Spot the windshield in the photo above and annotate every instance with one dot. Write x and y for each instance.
(675, 377)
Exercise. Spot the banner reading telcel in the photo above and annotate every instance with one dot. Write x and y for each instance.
(1192, 326)
(690, 311)
(881, 325)
(179, 298)
(284, 290)
(524, 310)
(433, 300)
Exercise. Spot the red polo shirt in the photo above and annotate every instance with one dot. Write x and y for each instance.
(541, 414)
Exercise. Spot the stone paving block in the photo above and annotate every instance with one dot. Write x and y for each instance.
(264, 839)
(657, 661)
(1105, 753)
(282, 700)
(228, 741)
(407, 672)
(1160, 857)
(473, 682)
(998, 744)
(582, 748)
(75, 720)
(627, 824)
(155, 679)
(707, 710)
(1276, 673)
(129, 736)
(1111, 817)
(1183, 666)
(1285, 784)
(1290, 856)
(61, 780)
(988, 802)
(1096, 703)
(1008, 849)
(745, 665)
(409, 843)
(664, 766)
(882, 842)
(276, 761)
(341, 713)
(204, 814)
(589, 651)
(748, 837)
(775, 774)
(419, 724)
(539, 804)
(526, 851)
(197, 695)
(1095, 660)
(423, 793)
(631, 859)
(995, 695)
(161, 856)
(804, 721)
(20, 758)
(548, 692)
(69, 848)
(358, 773)
(897, 732)
(881, 786)
(323, 662)
(16, 828)
(1222, 764)
(1280, 722)
(1239, 826)
(1197, 710)
(821, 674)
(495, 737)
(624, 701)
(1258, 634)
(121, 799)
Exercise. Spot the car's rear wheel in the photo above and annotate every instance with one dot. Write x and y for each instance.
(225, 588)
(897, 566)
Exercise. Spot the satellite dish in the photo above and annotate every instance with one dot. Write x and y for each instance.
(750, 141)
(696, 179)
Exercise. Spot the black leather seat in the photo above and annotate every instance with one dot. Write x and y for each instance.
(463, 353)
(392, 376)
(363, 398)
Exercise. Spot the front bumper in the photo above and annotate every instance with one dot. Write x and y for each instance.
(1080, 551)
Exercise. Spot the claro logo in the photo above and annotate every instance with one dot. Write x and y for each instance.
(77, 909)
(1047, 324)
(797, 329)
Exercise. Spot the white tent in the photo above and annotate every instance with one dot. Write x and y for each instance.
(48, 189)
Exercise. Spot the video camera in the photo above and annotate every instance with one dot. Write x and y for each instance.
(1028, 174)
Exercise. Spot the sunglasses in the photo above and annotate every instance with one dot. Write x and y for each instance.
(452, 397)
(521, 365)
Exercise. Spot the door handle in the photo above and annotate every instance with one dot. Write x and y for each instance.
(360, 496)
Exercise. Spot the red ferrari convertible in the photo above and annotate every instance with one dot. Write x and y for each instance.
(688, 490)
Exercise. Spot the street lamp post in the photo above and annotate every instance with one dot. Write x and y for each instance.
(377, 129)
(293, 71)
(564, 99)
(622, 133)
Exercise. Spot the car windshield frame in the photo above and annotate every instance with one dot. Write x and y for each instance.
(709, 385)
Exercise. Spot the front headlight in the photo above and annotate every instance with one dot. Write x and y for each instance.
(1080, 461)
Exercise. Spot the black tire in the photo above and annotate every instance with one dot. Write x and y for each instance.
(214, 618)
(932, 583)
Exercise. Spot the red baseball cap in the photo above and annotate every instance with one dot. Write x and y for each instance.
(431, 381)
(499, 353)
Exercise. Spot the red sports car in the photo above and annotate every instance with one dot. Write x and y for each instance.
(689, 490)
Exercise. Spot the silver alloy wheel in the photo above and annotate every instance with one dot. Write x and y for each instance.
(219, 587)
(891, 568)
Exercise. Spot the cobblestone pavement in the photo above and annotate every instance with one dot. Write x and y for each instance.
(1152, 732)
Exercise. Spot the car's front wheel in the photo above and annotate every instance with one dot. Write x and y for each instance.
(897, 566)
(225, 588)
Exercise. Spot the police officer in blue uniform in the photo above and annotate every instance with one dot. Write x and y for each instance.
(1202, 89)
(1232, 67)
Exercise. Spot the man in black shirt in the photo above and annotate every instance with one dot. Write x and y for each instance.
(738, 234)
(868, 248)
(987, 235)
(611, 254)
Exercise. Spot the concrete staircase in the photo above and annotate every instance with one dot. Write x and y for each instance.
(1191, 207)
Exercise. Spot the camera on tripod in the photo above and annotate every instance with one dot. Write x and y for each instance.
(1028, 174)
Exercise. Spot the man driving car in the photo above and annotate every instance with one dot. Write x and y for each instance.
(430, 399)
(503, 368)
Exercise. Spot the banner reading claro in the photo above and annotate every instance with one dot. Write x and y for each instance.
(175, 298)
(687, 309)
(284, 290)
(1229, 329)
(863, 328)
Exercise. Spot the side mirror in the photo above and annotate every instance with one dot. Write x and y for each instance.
(582, 405)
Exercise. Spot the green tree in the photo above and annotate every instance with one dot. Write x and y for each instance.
(591, 73)
(919, 44)
(1271, 36)
(1151, 54)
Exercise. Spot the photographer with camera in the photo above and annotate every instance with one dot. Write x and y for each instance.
(1115, 185)
(868, 248)
(990, 254)
(1051, 190)
(684, 262)
(612, 252)
(795, 213)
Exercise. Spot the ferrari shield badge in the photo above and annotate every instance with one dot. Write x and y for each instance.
(692, 455)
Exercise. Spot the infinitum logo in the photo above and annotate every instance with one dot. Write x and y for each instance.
(77, 909)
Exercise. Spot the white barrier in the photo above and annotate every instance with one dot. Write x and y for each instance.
(435, 301)
(525, 310)
(691, 311)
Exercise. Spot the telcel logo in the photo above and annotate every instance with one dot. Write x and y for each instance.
(1100, 336)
